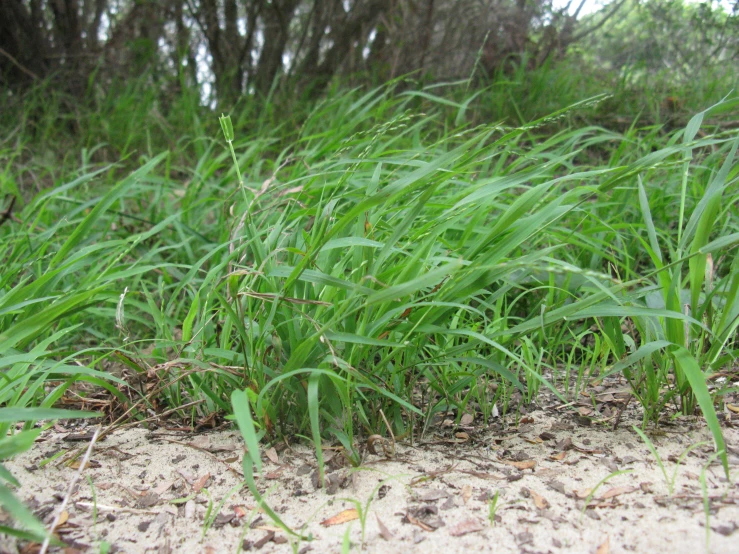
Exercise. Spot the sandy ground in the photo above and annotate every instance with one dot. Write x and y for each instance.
(562, 485)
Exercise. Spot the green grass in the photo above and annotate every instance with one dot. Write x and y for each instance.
(376, 253)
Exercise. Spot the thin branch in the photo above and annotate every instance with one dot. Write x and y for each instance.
(17, 64)
(600, 24)
(577, 11)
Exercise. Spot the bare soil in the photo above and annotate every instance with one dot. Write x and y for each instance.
(553, 481)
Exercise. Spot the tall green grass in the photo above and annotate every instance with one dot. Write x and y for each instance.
(376, 253)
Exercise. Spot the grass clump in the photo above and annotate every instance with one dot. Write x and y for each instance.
(376, 259)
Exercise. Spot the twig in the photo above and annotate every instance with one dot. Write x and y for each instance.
(20, 66)
(157, 416)
(115, 508)
(621, 412)
(390, 430)
(70, 490)
(116, 425)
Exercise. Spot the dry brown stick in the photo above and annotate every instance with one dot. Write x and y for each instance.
(159, 416)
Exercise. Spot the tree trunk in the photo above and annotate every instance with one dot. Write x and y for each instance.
(23, 47)
(277, 20)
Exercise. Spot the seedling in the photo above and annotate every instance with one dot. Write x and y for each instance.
(211, 515)
(493, 508)
(669, 481)
(605, 479)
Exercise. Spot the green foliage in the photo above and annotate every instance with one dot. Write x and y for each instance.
(377, 253)
(667, 36)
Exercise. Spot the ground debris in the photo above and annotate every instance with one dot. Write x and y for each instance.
(495, 488)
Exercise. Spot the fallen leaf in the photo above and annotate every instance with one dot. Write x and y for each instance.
(271, 453)
(162, 487)
(535, 440)
(539, 501)
(219, 449)
(565, 444)
(646, 487)
(148, 500)
(467, 526)
(525, 464)
(467, 419)
(605, 546)
(462, 436)
(559, 456)
(198, 485)
(222, 520)
(557, 486)
(733, 408)
(466, 493)
(419, 523)
(240, 511)
(342, 517)
(610, 464)
(617, 491)
(305, 469)
(63, 518)
(582, 493)
(264, 540)
(384, 531)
